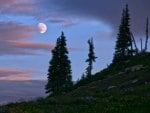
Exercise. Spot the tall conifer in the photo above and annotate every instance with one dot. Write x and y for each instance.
(59, 72)
(124, 49)
(91, 58)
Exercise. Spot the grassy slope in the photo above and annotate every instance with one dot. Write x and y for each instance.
(114, 93)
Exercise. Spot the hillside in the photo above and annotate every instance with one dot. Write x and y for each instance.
(120, 88)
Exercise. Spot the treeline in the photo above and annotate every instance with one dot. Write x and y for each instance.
(60, 73)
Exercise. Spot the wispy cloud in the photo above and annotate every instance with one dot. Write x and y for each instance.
(17, 6)
(30, 45)
(14, 74)
(65, 22)
(11, 31)
(23, 48)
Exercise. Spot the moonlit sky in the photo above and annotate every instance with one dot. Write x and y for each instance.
(25, 53)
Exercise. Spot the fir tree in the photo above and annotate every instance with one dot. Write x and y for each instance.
(53, 85)
(128, 32)
(91, 58)
(65, 65)
(59, 72)
(123, 49)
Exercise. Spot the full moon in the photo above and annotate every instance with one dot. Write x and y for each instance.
(42, 27)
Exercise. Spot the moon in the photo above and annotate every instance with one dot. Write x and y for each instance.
(42, 28)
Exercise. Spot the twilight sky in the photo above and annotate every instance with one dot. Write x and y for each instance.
(25, 53)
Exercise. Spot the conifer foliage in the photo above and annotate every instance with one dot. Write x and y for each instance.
(124, 49)
(59, 72)
(91, 58)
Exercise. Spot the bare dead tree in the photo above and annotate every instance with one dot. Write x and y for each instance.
(133, 40)
(141, 45)
(147, 35)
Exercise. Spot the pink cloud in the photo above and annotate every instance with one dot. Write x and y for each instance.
(11, 31)
(30, 45)
(13, 51)
(14, 74)
(17, 6)
(37, 46)
(23, 48)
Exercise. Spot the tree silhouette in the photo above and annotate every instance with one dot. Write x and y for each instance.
(59, 72)
(91, 58)
(147, 34)
(123, 49)
(53, 84)
(65, 65)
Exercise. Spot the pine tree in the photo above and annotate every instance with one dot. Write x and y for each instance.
(59, 72)
(123, 49)
(128, 32)
(65, 65)
(91, 58)
(53, 85)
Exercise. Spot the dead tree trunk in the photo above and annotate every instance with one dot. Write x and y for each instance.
(146, 35)
(133, 40)
(141, 45)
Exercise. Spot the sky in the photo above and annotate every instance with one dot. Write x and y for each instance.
(12, 91)
(25, 52)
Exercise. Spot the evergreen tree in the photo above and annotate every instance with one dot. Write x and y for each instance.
(91, 58)
(53, 85)
(59, 72)
(128, 32)
(123, 49)
(65, 65)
